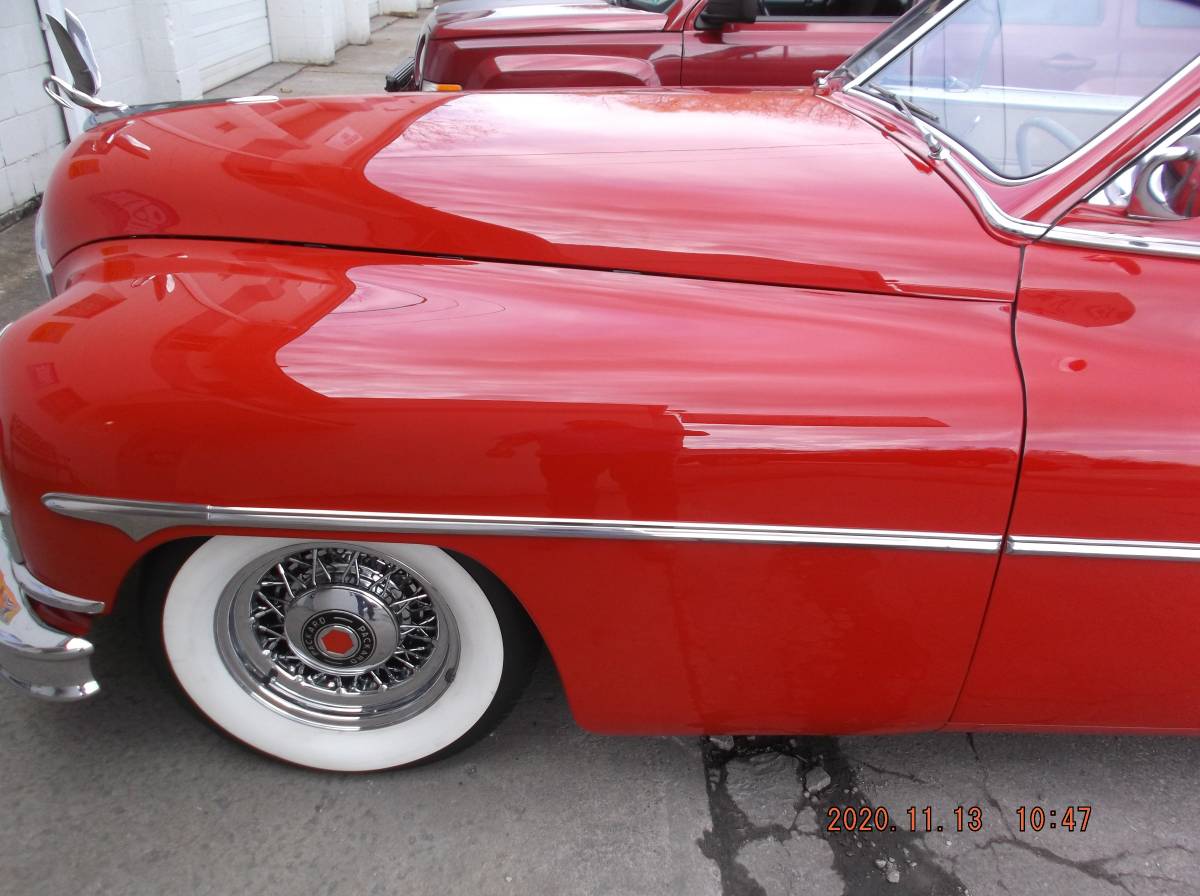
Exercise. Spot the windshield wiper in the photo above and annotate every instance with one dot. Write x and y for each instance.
(911, 111)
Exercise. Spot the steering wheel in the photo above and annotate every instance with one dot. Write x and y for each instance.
(1047, 126)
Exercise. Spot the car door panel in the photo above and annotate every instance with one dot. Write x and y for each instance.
(1109, 342)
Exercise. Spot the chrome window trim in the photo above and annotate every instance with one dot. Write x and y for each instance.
(1123, 242)
(995, 215)
(1071, 236)
(987, 207)
(884, 61)
(976, 163)
(139, 519)
(1141, 243)
(1045, 546)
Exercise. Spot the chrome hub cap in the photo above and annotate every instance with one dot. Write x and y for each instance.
(342, 629)
(337, 636)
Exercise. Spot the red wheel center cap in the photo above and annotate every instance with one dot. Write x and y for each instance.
(337, 641)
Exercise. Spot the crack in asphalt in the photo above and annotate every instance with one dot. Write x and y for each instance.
(1093, 868)
(860, 861)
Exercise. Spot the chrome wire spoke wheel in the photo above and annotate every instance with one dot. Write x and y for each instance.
(337, 635)
(342, 655)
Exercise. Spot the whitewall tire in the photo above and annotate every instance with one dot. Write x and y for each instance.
(341, 655)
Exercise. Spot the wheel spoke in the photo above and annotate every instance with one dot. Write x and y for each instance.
(286, 584)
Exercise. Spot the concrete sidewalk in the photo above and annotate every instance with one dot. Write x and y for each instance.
(355, 69)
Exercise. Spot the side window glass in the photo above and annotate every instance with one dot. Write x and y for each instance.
(1167, 14)
(836, 9)
(1043, 12)
(1162, 185)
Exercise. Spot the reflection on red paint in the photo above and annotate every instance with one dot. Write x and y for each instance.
(288, 376)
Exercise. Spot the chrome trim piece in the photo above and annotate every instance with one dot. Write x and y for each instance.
(39, 660)
(70, 98)
(138, 519)
(52, 597)
(1141, 243)
(995, 215)
(1123, 242)
(1088, 547)
(992, 213)
(1067, 236)
(886, 59)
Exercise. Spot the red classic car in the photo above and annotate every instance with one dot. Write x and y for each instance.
(486, 44)
(867, 408)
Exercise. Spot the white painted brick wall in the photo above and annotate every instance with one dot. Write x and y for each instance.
(32, 132)
(358, 21)
(311, 31)
(142, 59)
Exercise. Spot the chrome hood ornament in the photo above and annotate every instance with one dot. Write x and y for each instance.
(84, 89)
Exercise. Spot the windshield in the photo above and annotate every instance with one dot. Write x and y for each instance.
(1021, 84)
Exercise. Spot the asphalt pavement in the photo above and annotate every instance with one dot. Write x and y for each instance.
(130, 794)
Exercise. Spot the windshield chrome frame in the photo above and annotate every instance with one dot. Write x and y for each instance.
(855, 86)
(895, 51)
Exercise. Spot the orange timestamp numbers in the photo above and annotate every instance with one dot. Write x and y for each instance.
(922, 820)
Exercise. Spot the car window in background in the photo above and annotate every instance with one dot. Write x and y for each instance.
(1022, 84)
(833, 9)
(1168, 14)
(1041, 12)
(918, 15)
(645, 5)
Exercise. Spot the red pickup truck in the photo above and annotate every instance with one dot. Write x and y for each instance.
(490, 44)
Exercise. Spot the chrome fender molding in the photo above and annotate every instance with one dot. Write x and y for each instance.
(140, 519)
(1087, 547)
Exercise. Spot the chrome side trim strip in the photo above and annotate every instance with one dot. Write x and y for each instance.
(138, 519)
(1087, 547)
(1123, 242)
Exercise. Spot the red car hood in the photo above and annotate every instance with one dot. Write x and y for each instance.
(482, 18)
(765, 186)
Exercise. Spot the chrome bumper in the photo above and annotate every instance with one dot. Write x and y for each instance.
(40, 660)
